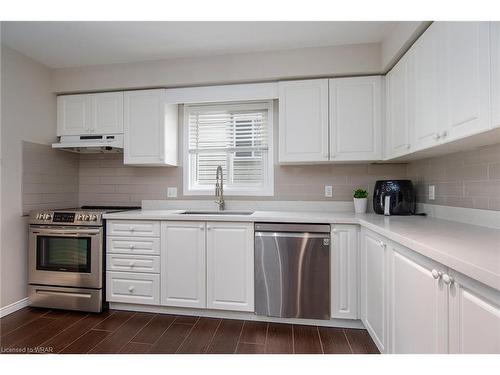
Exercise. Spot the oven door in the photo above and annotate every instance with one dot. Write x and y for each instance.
(66, 256)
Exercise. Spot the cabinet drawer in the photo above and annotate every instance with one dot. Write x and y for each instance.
(132, 245)
(137, 228)
(133, 263)
(133, 288)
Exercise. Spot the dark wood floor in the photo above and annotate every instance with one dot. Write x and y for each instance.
(33, 330)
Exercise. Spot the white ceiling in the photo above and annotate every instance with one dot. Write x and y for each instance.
(71, 44)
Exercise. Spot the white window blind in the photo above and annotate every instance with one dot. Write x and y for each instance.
(234, 136)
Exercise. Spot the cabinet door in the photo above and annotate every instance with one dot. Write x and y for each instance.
(107, 112)
(374, 287)
(418, 300)
(344, 271)
(74, 114)
(495, 73)
(303, 121)
(397, 113)
(425, 94)
(144, 127)
(183, 264)
(230, 266)
(474, 317)
(466, 78)
(355, 118)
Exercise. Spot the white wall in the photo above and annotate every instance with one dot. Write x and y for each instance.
(250, 67)
(28, 113)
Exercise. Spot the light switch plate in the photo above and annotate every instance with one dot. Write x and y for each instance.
(328, 191)
(172, 192)
(432, 192)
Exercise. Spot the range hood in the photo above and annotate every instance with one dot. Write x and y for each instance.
(90, 144)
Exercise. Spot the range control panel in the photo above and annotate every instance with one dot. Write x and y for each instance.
(66, 217)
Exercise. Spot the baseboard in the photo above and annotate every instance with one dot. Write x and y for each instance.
(13, 307)
(339, 323)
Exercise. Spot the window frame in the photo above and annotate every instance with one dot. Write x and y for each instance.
(267, 189)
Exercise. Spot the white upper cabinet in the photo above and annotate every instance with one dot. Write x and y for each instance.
(107, 111)
(355, 118)
(183, 264)
(465, 76)
(344, 269)
(397, 130)
(374, 287)
(90, 114)
(74, 114)
(474, 317)
(425, 94)
(303, 121)
(418, 305)
(495, 73)
(150, 129)
(230, 266)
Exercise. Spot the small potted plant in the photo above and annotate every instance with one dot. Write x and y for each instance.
(360, 201)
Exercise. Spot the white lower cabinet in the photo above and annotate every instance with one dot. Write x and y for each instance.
(474, 316)
(412, 304)
(133, 262)
(418, 303)
(183, 264)
(344, 271)
(374, 287)
(127, 287)
(230, 266)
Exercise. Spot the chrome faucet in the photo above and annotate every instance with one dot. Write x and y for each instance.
(219, 188)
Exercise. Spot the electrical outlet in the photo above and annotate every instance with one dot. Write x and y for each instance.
(328, 191)
(432, 192)
(172, 192)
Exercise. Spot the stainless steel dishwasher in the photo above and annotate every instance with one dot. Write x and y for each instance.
(292, 270)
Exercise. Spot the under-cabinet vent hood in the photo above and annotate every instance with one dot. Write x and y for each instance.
(90, 144)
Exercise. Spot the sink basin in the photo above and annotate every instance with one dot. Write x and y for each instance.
(217, 213)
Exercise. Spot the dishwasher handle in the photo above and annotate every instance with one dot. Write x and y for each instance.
(292, 235)
(292, 227)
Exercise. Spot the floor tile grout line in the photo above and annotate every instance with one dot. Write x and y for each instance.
(29, 322)
(320, 341)
(213, 336)
(189, 333)
(53, 320)
(239, 337)
(65, 329)
(165, 331)
(112, 332)
(145, 324)
(348, 342)
(90, 329)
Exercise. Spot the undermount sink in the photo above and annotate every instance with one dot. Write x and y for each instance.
(217, 213)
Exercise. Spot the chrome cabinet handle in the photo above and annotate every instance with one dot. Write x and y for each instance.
(382, 244)
(202, 227)
(447, 279)
(131, 246)
(407, 146)
(130, 289)
(131, 264)
(437, 136)
(335, 230)
(436, 274)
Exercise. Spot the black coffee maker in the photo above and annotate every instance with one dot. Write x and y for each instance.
(394, 197)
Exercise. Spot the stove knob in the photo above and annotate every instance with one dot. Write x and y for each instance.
(93, 217)
(47, 216)
(39, 216)
(86, 217)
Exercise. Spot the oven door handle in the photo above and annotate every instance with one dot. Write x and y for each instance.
(65, 232)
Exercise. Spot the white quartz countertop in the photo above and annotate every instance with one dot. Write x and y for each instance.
(470, 249)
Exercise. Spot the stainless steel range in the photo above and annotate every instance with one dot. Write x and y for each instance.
(66, 258)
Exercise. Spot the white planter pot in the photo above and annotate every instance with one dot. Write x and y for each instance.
(360, 205)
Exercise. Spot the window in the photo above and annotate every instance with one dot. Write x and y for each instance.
(236, 136)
